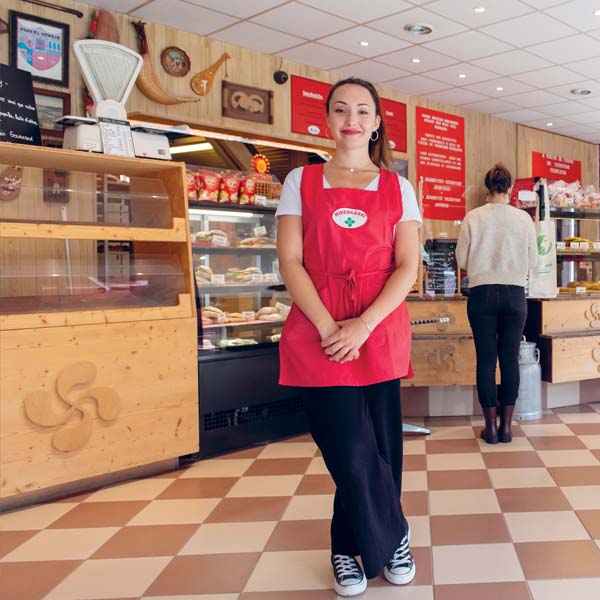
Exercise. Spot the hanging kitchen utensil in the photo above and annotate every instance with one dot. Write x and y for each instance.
(148, 82)
(202, 82)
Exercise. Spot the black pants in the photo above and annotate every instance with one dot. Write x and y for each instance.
(359, 433)
(497, 316)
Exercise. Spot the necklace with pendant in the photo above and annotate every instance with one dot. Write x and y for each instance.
(351, 169)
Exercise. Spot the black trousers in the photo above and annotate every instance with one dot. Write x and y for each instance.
(497, 316)
(359, 433)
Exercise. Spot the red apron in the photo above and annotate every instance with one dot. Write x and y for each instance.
(348, 244)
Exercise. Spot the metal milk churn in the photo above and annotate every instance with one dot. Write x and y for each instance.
(529, 401)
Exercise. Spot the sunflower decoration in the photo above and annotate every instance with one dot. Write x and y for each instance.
(260, 163)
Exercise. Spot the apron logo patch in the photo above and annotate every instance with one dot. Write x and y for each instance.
(349, 218)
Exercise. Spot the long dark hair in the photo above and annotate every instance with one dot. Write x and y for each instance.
(379, 150)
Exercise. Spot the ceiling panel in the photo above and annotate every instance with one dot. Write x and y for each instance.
(565, 109)
(590, 67)
(182, 15)
(549, 77)
(372, 71)
(456, 96)
(350, 41)
(394, 25)
(578, 14)
(236, 8)
(495, 10)
(303, 21)
(535, 98)
(543, 123)
(521, 116)
(565, 90)
(510, 63)
(468, 46)
(251, 35)
(116, 5)
(319, 56)
(428, 59)
(509, 86)
(491, 106)
(541, 4)
(565, 50)
(592, 117)
(417, 85)
(357, 11)
(529, 29)
(451, 74)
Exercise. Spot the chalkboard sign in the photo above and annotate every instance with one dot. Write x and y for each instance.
(441, 265)
(18, 115)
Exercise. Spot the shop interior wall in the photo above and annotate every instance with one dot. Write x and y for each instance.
(487, 139)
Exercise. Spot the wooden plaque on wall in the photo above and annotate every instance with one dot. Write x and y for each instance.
(247, 103)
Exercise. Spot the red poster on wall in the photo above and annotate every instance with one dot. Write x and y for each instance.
(308, 106)
(555, 167)
(441, 163)
(394, 115)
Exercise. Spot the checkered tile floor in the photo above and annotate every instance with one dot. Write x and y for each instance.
(518, 521)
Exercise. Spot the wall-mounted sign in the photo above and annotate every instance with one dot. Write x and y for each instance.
(18, 116)
(247, 103)
(394, 115)
(555, 167)
(441, 163)
(308, 107)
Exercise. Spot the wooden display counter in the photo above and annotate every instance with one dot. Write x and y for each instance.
(567, 332)
(442, 353)
(105, 379)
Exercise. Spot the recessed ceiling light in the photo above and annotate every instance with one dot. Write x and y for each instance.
(416, 60)
(461, 75)
(479, 9)
(364, 43)
(581, 92)
(597, 13)
(549, 124)
(418, 28)
(499, 89)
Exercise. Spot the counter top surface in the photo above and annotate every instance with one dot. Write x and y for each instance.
(595, 296)
(439, 298)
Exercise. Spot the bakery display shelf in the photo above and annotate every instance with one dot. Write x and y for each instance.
(236, 250)
(237, 289)
(564, 212)
(253, 208)
(242, 324)
(577, 255)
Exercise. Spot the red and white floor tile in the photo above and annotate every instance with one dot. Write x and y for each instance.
(516, 521)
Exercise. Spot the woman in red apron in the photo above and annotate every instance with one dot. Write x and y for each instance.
(348, 259)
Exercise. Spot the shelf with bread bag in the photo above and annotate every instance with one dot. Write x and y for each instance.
(97, 316)
(242, 306)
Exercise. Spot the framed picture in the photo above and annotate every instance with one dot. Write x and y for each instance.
(247, 103)
(175, 61)
(56, 189)
(40, 47)
(51, 105)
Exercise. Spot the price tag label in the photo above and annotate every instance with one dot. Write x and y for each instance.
(585, 246)
(249, 315)
(561, 246)
(221, 318)
(217, 279)
(596, 246)
(219, 240)
(580, 290)
(260, 231)
(207, 345)
(282, 308)
(257, 278)
(575, 246)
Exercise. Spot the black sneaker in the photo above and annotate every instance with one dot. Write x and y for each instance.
(349, 577)
(401, 569)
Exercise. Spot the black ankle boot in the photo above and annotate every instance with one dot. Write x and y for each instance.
(490, 433)
(505, 430)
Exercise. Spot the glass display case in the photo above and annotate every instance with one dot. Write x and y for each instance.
(243, 303)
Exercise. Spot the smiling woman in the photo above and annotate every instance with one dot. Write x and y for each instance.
(348, 252)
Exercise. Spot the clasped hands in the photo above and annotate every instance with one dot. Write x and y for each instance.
(342, 344)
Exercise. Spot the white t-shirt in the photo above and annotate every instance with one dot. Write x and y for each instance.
(291, 200)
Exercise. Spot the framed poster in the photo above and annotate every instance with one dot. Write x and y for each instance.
(247, 103)
(40, 47)
(309, 116)
(51, 105)
(56, 188)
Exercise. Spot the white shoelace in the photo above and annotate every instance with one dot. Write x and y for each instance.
(346, 567)
(402, 556)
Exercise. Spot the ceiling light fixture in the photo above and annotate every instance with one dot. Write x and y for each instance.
(549, 124)
(364, 43)
(597, 13)
(479, 9)
(499, 89)
(416, 60)
(581, 91)
(461, 75)
(418, 28)
(191, 148)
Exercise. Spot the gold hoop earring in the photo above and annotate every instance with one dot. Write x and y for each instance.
(374, 139)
